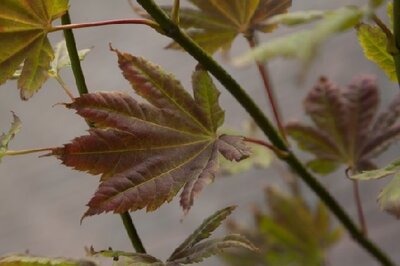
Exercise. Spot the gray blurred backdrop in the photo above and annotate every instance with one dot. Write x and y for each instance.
(41, 201)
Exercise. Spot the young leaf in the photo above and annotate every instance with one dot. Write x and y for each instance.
(214, 24)
(297, 17)
(60, 61)
(5, 138)
(209, 248)
(129, 258)
(304, 44)
(194, 249)
(344, 131)
(379, 173)
(389, 197)
(374, 43)
(146, 152)
(23, 38)
(204, 231)
(27, 260)
(285, 241)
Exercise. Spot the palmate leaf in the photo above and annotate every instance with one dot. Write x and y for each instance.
(146, 152)
(304, 44)
(375, 45)
(27, 260)
(214, 24)
(283, 240)
(23, 39)
(5, 138)
(345, 131)
(194, 249)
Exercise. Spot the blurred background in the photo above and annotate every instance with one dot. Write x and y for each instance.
(41, 201)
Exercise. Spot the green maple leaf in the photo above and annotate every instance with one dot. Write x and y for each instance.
(146, 152)
(61, 60)
(345, 131)
(194, 249)
(23, 39)
(214, 24)
(283, 240)
(376, 48)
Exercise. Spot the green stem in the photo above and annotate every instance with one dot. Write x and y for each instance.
(174, 32)
(175, 12)
(74, 56)
(396, 33)
(82, 88)
(133, 235)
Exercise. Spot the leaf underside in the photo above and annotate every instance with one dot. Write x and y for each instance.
(23, 39)
(214, 24)
(194, 249)
(345, 131)
(147, 152)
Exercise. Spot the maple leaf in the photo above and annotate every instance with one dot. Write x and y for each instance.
(194, 249)
(214, 24)
(375, 46)
(305, 44)
(23, 39)
(146, 152)
(283, 240)
(345, 131)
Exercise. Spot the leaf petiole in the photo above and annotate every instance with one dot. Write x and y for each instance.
(277, 151)
(23, 152)
(147, 22)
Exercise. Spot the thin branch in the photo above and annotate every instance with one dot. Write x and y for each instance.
(262, 69)
(174, 32)
(396, 35)
(175, 12)
(133, 235)
(82, 88)
(147, 22)
(357, 200)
